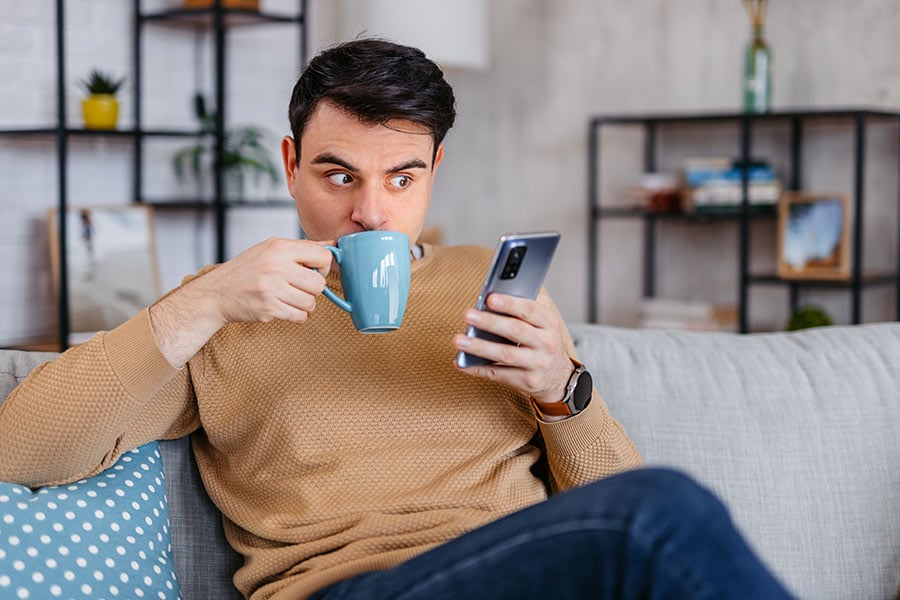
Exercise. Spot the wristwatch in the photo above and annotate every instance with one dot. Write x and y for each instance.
(578, 395)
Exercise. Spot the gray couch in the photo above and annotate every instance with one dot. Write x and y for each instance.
(798, 433)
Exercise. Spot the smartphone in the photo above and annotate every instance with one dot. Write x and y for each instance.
(518, 268)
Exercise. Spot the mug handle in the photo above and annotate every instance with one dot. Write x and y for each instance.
(338, 301)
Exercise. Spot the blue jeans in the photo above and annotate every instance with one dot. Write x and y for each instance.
(649, 533)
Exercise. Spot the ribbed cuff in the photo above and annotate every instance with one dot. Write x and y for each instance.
(136, 359)
(576, 433)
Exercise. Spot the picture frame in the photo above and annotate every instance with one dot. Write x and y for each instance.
(112, 265)
(814, 236)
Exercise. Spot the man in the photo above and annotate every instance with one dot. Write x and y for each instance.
(369, 466)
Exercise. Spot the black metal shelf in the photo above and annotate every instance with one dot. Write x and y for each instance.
(743, 214)
(232, 17)
(194, 204)
(100, 133)
(214, 21)
(701, 215)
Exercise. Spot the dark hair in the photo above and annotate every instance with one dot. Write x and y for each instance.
(377, 81)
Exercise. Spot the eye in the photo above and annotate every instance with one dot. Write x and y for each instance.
(341, 179)
(401, 181)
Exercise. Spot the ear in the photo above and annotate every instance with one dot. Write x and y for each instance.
(438, 157)
(289, 158)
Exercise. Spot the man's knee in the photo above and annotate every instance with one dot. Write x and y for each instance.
(662, 494)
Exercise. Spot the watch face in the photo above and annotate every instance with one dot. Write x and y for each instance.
(583, 390)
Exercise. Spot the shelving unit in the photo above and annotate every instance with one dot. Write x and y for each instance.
(215, 20)
(651, 124)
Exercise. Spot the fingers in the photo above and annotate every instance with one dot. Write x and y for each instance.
(536, 362)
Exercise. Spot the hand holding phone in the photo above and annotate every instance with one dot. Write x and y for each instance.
(518, 268)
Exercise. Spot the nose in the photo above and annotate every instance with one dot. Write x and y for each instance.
(370, 208)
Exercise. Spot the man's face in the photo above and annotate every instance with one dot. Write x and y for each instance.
(353, 176)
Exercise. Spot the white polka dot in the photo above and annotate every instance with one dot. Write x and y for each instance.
(91, 494)
(55, 590)
(2, 553)
(139, 592)
(134, 565)
(81, 562)
(51, 563)
(130, 539)
(110, 503)
(120, 493)
(32, 552)
(4, 581)
(147, 580)
(169, 585)
(123, 577)
(13, 540)
(18, 565)
(87, 526)
(126, 515)
(86, 589)
(98, 575)
(101, 484)
(37, 577)
(161, 595)
(27, 528)
(126, 459)
(75, 538)
(72, 488)
(69, 576)
(45, 539)
(62, 496)
(157, 570)
(63, 550)
(39, 516)
(129, 483)
(142, 554)
(98, 514)
(22, 593)
(139, 530)
(148, 520)
(70, 515)
(57, 527)
(120, 550)
(17, 491)
(114, 526)
(145, 497)
(93, 549)
(4, 498)
(8, 519)
(52, 505)
(113, 590)
(81, 504)
(104, 538)
(109, 563)
(21, 505)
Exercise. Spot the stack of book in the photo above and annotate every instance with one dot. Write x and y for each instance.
(661, 313)
(716, 184)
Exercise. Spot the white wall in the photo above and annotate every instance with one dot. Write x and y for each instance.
(516, 159)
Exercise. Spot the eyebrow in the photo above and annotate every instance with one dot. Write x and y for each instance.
(328, 158)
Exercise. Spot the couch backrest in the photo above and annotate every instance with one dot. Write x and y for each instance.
(204, 562)
(798, 433)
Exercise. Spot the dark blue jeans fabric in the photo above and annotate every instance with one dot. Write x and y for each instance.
(648, 534)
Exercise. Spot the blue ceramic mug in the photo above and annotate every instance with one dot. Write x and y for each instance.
(375, 276)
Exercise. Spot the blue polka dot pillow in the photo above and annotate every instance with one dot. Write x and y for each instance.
(103, 537)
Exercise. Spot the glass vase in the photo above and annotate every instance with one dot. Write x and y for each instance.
(758, 74)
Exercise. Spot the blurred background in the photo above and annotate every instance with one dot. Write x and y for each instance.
(529, 76)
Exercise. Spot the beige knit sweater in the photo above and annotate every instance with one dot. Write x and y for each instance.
(330, 453)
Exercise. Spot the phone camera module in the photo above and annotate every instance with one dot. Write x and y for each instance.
(513, 262)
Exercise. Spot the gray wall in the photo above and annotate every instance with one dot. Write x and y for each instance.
(517, 158)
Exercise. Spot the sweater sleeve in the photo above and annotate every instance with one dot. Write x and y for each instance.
(74, 416)
(587, 446)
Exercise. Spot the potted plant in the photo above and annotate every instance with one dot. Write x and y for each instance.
(809, 316)
(100, 109)
(245, 154)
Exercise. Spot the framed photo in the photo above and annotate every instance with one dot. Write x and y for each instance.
(112, 265)
(813, 236)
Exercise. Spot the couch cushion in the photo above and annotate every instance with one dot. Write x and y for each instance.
(204, 560)
(798, 433)
(100, 537)
(15, 365)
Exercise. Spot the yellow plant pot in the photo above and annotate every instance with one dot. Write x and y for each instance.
(100, 111)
